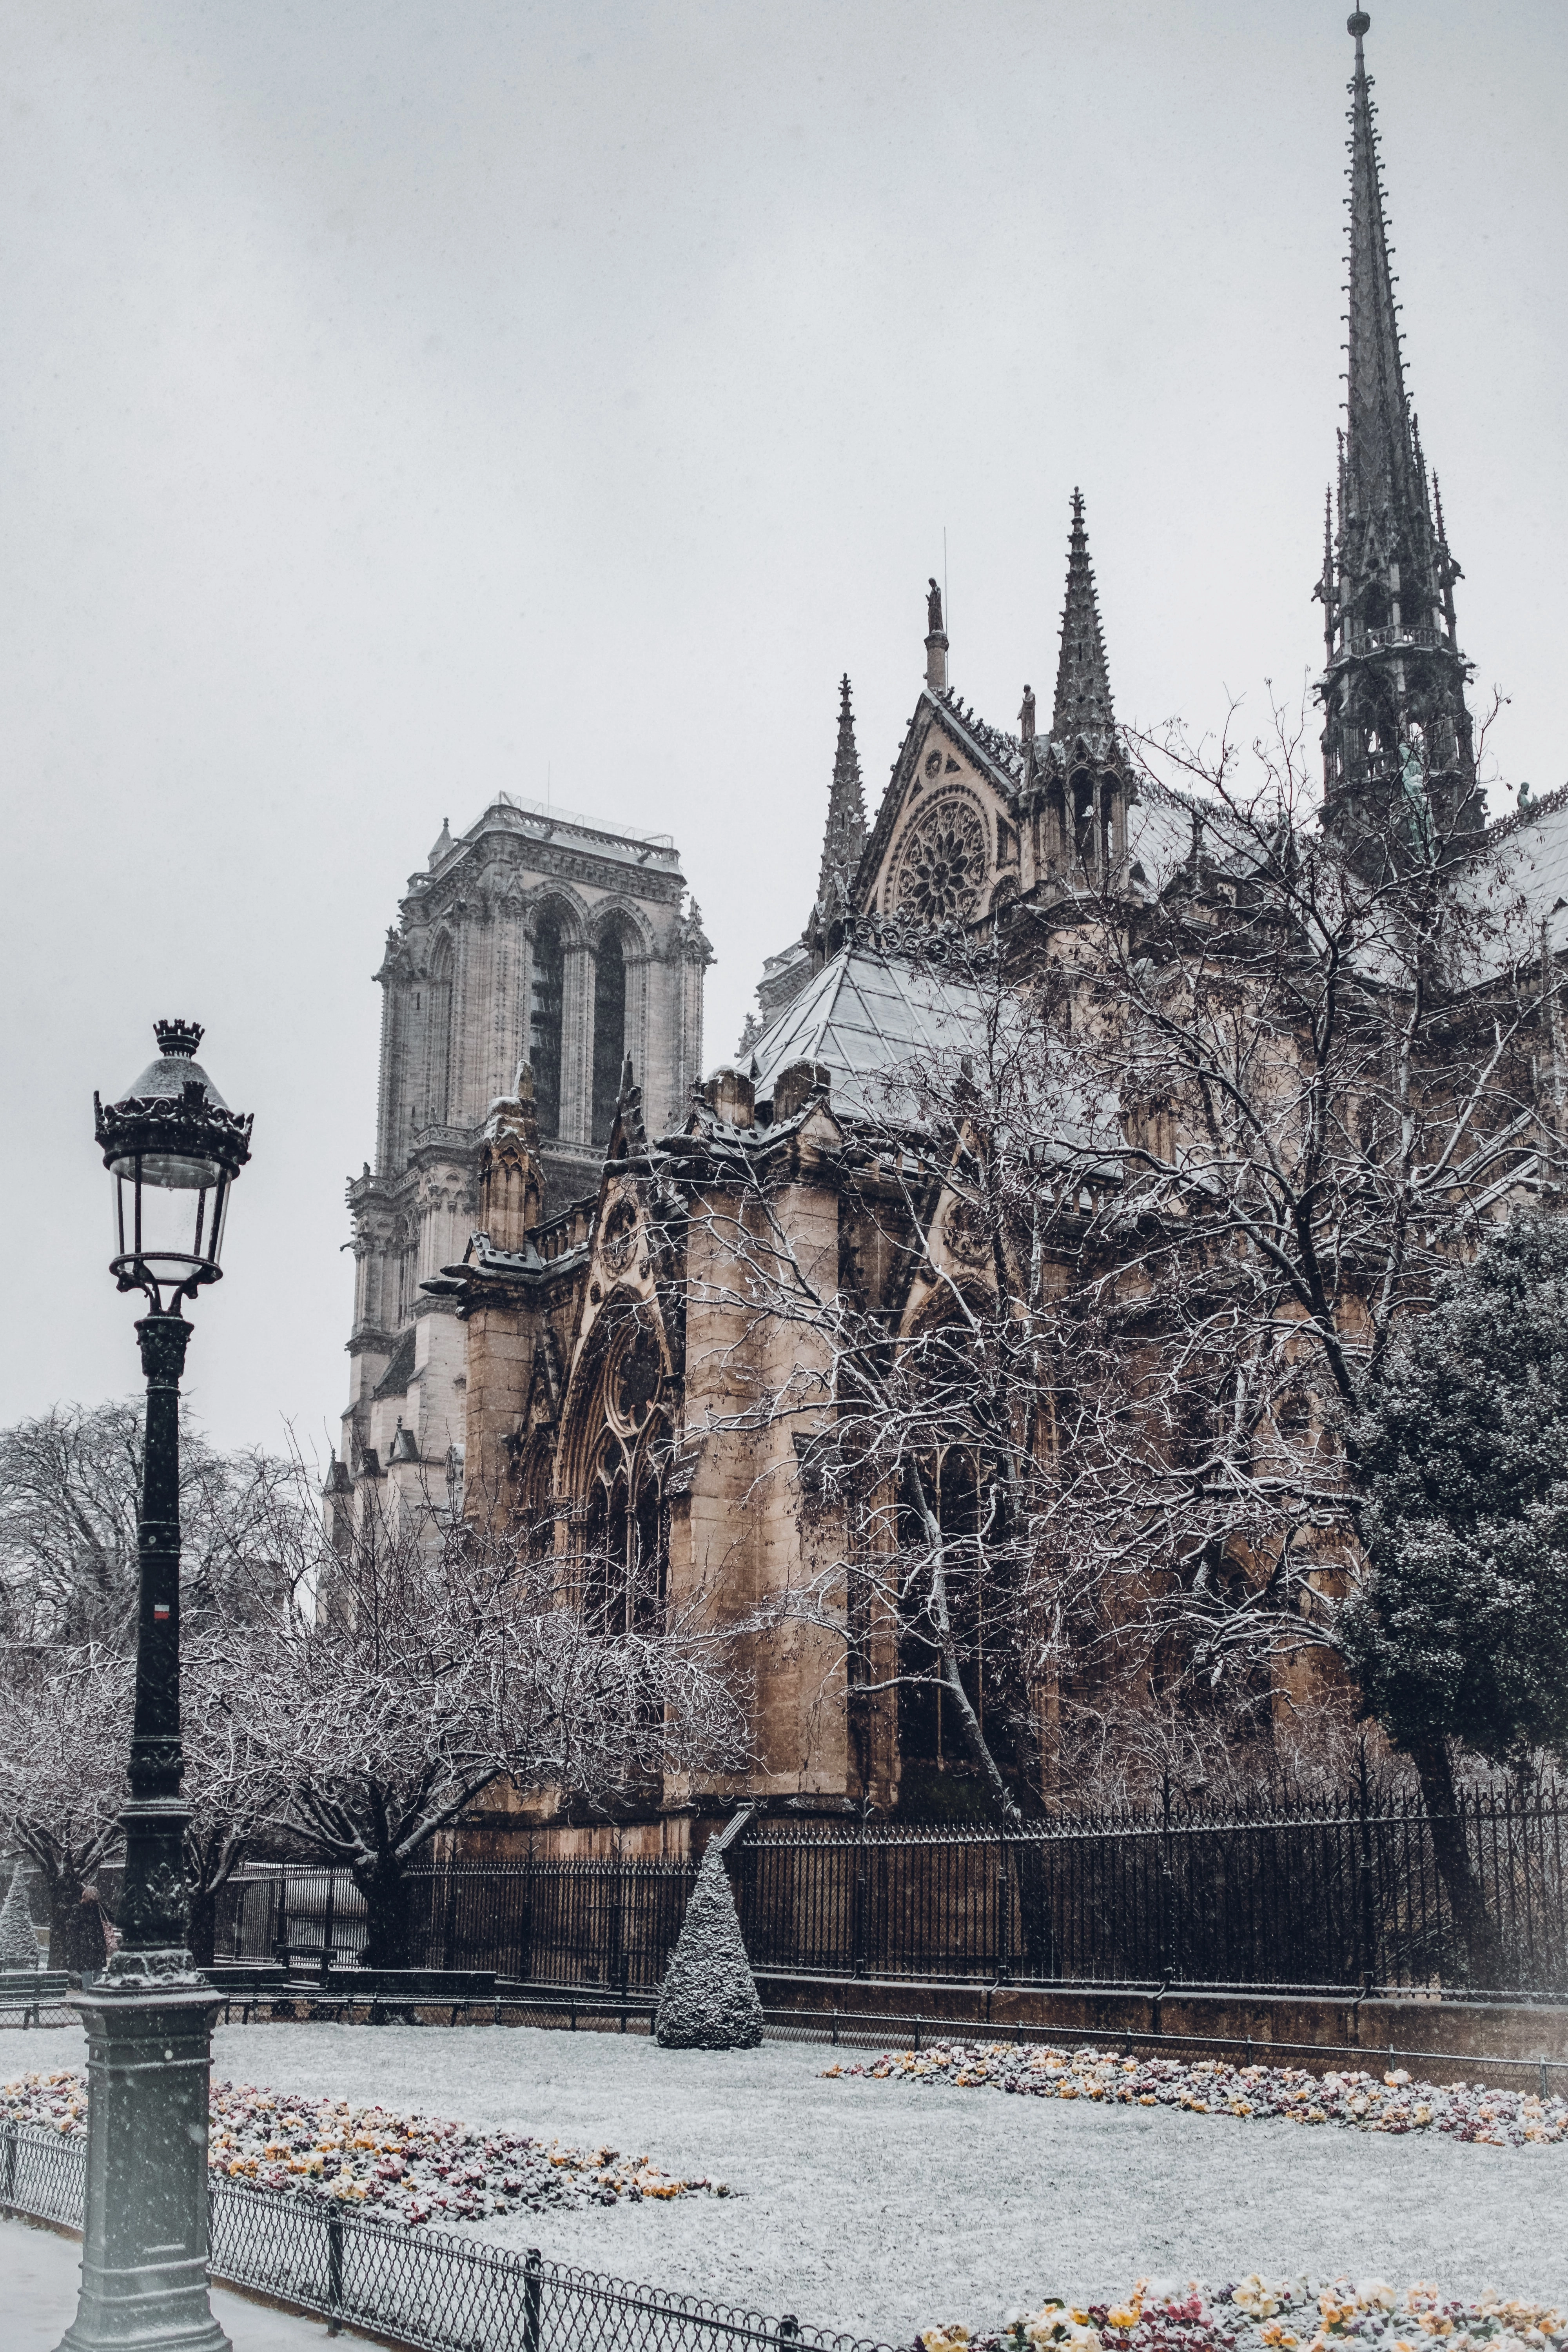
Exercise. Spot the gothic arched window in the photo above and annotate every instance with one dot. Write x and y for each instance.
(434, 1110)
(1083, 819)
(625, 1548)
(545, 1022)
(958, 1471)
(609, 1029)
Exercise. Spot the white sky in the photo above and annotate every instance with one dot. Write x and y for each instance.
(407, 401)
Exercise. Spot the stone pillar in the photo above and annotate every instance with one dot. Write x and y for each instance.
(144, 2257)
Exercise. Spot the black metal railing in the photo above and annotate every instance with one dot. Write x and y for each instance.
(412, 2287)
(1336, 1893)
(565, 1923)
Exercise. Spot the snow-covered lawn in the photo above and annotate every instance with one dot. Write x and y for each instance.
(860, 2209)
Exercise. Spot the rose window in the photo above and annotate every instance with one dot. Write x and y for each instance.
(942, 870)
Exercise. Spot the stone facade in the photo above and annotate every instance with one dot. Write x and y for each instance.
(548, 1291)
(535, 939)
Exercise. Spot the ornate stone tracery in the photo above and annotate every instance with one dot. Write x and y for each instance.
(943, 863)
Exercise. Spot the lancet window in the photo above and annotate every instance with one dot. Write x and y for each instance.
(432, 1111)
(545, 1020)
(609, 1029)
(626, 1523)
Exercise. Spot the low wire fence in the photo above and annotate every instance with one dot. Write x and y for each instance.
(412, 2287)
(1324, 1893)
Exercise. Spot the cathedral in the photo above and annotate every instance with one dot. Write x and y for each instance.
(534, 1316)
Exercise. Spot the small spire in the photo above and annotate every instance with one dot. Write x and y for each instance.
(443, 846)
(1083, 680)
(844, 837)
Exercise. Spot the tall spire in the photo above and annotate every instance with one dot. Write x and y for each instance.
(1397, 740)
(1083, 681)
(1382, 475)
(845, 836)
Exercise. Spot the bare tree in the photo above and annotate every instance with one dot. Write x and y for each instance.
(69, 1483)
(64, 1716)
(65, 1723)
(433, 1657)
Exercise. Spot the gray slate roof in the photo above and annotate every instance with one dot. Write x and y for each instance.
(865, 1015)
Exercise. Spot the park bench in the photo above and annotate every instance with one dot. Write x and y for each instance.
(576, 2002)
(246, 1981)
(400, 1992)
(32, 1989)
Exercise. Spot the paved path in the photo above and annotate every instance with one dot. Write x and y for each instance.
(40, 2273)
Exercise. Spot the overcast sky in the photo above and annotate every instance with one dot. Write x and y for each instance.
(411, 400)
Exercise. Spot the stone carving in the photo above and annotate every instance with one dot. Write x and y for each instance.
(620, 1244)
(933, 609)
(968, 1236)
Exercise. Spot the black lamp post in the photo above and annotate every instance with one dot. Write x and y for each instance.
(174, 1150)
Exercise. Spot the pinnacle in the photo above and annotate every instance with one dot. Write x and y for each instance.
(1083, 680)
(844, 837)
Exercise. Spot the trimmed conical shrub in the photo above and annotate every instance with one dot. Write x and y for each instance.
(18, 1944)
(709, 1998)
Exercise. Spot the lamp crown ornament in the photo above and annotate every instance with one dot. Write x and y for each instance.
(178, 1037)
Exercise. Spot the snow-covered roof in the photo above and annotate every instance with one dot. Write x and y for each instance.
(867, 1014)
(1530, 852)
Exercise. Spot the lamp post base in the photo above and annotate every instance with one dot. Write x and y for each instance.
(145, 2235)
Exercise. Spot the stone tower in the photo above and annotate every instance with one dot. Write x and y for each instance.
(537, 944)
(1398, 761)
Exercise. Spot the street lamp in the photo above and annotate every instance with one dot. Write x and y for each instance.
(174, 1150)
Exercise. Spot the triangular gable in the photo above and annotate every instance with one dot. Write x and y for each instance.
(946, 750)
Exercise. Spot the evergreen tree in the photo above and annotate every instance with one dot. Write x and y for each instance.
(1458, 1632)
(708, 1997)
(18, 1942)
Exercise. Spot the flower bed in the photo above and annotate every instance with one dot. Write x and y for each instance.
(1285, 2315)
(407, 2168)
(1359, 2102)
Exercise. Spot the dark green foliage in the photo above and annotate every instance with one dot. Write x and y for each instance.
(1460, 1629)
(709, 1998)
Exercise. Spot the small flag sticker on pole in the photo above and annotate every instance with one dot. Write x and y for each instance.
(160, 1613)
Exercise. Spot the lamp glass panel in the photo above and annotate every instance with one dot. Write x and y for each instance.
(168, 1217)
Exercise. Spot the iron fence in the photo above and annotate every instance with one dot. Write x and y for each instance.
(563, 1923)
(413, 2286)
(1325, 1894)
(1321, 1894)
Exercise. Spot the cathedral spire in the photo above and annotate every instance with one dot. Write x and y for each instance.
(845, 838)
(1397, 739)
(1381, 473)
(1083, 681)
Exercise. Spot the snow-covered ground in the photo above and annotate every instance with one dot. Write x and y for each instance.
(876, 2208)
